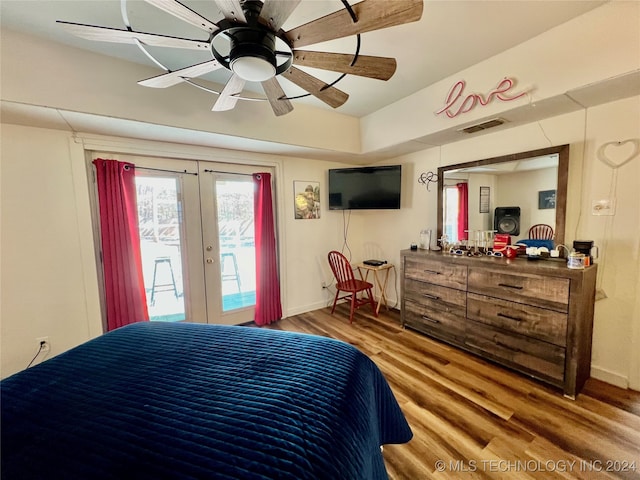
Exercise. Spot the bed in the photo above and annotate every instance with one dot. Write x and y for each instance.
(159, 400)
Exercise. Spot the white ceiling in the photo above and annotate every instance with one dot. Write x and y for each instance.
(451, 36)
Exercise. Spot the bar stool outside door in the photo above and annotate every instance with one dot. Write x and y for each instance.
(225, 273)
(162, 287)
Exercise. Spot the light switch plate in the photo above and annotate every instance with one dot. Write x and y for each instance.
(605, 206)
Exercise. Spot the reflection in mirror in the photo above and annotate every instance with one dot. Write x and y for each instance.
(508, 194)
(511, 187)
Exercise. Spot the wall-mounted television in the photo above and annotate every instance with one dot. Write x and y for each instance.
(365, 188)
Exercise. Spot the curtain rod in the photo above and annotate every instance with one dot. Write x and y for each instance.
(163, 170)
(228, 173)
(193, 173)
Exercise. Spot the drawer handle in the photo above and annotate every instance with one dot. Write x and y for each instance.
(432, 297)
(510, 286)
(434, 272)
(515, 319)
(430, 319)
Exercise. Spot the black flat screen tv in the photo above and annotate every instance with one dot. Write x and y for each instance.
(365, 188)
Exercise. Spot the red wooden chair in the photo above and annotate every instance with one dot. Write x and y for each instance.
(349, 285)
(541, 231)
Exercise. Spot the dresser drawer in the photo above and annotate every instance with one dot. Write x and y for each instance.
(438, 273)
(436, 297)
(538, 290)
(444, 325)
(541, 323)
(541, 359)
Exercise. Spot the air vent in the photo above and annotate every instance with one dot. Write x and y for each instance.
(483, 126)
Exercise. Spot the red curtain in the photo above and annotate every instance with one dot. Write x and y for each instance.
(463, 211)
(124, 285)
(268, 307)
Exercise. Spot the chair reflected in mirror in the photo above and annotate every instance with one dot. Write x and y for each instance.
(541, 231)
(348, 287)
(540, 235)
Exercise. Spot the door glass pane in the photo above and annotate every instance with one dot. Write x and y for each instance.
(159, 221)
(234, 200)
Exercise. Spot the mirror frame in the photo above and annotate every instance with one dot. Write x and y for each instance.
(561, 188)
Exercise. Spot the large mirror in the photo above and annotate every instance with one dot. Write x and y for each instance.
(508, 194)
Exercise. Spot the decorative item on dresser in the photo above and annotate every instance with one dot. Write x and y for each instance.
(533, 318)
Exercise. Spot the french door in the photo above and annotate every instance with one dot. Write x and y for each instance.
(197, 239)
(227, 219)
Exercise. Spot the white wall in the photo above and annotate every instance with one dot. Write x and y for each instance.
(309, 241)
(49, 282)
(617, 325)
(477, 220)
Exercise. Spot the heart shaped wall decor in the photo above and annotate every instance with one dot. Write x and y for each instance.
(618, 151)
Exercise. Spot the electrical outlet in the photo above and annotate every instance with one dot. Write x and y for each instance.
(46, 347)
(605, 206)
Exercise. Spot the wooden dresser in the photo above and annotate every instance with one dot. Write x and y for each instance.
(535, 317)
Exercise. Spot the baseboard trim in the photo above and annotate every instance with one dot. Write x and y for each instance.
(608, 376)
(307, 308)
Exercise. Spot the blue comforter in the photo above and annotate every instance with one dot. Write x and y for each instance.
(160, 401)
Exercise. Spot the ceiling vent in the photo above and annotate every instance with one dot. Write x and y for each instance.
(483, 126)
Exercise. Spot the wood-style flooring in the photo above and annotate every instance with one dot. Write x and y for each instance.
(475, 420)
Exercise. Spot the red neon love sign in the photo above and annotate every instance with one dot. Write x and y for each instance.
(471, 100)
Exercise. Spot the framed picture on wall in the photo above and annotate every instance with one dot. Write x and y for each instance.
(306, 198)
(546, 199)
(485, 192)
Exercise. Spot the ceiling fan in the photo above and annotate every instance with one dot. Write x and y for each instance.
(249, 42)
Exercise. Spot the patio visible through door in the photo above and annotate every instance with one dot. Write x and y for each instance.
(197, 242)
(161, 234)
(234, 198)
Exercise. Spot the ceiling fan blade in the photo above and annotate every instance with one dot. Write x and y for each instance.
(231, 10)
(228, 99)
(183, 12)
(106, 34)
(371, 15)
(330, 95)
(274, 92)
(173, 78)
(380, 68)
(275, 12)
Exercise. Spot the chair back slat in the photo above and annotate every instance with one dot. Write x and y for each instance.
(340, 267)
(541, 231)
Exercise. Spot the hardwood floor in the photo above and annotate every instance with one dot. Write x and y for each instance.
(475, 420)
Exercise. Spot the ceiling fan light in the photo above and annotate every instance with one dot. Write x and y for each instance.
(253, 69)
